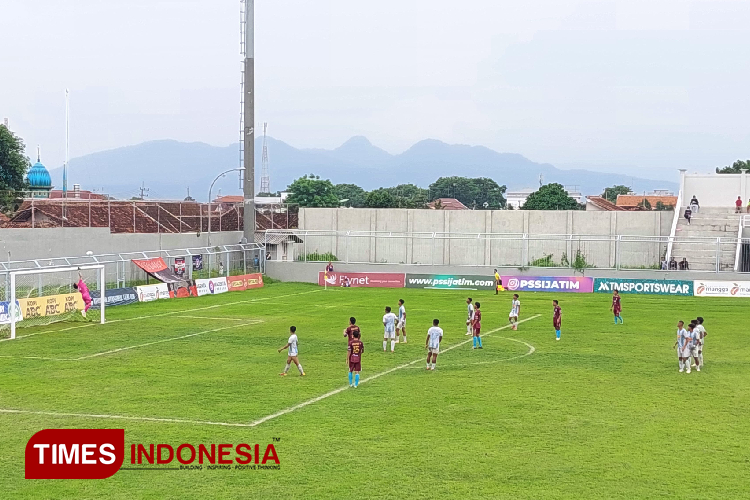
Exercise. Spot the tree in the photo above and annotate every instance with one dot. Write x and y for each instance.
(660, 206)
(736, 168)
(644, 204)
(550, 197)
(311, 191)
(13, 167)
(610, 193)
(480, 193)
(354, 194)
(408, 196)
(380, 198)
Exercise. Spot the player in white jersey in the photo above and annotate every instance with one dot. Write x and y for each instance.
(293, 352)
(701, 340)
(683, 352)
(693, 345)
(470, 317)
(401, 325)
(515, 310)
(432, 343)
(389, 322)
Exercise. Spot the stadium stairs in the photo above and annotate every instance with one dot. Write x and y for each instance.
(707, 223)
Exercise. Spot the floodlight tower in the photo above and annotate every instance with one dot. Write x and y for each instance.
(248, 117)
(265, 176)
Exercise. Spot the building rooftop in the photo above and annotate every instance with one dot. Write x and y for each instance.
(632, 200)
(447, 204)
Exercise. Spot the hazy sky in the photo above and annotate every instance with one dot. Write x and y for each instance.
(652, 85)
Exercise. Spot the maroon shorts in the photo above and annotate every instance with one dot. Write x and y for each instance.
(557, 324)
(617, 311)
(477, 330)
(355, 367)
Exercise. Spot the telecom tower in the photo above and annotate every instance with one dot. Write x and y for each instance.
(265, 176)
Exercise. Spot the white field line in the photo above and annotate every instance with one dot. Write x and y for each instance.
(531, 351)
(256, 422)
(137, 318)
(113, 351)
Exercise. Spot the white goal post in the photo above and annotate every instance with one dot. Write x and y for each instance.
(52, 284)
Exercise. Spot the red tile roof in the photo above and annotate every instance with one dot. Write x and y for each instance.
(447, 204)
(632, 200)
(604, 204)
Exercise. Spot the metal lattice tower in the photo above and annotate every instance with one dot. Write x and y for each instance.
(265, 176)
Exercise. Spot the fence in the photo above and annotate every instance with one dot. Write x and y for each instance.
(621, 252)
(139, 216)
(119, 270)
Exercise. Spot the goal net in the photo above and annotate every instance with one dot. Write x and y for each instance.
(40, 297)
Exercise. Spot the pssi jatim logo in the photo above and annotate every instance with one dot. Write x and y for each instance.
(75, 453)
(100, 453)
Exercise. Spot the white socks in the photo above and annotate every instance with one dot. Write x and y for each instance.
(385, 345)
(286, 368)
(700, 359)
(393, 345)
(299, 367)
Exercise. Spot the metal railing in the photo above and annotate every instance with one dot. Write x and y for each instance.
(574, 251)
(119, 270)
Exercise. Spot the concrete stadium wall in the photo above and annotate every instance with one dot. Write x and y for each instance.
(533, 222)
(459, 245)
(715, 190)
(308, 272)
(24, 244)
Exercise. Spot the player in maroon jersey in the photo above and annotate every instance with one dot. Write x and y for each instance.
(616, 306)
(476, 324)
(349, 332)
(557, 319)
(354, 358)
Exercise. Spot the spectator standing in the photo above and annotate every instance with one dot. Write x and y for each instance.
(688, 214)
(738, 205)
(694, 205)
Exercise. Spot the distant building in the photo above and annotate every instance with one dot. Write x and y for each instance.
(446, 204)
(600, 204)
(517, 198)
(636, 201)
(259, 200)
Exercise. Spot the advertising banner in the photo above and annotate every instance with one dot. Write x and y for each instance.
(6, 310)
(51, 305)
(197, 262)
(115, 297)
(574, 284)
(159, 270)
(721, 288)
(373, 280)
(148, 293)
(244, 282)
(450, 281)
(179, 266)
(639, 286)
(211, 286)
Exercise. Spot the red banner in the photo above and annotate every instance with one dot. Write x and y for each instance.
(244, 282)
(151, 265)
(74, 453)
(375, 280)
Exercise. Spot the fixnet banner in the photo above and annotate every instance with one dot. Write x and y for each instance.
(721, 288)
(450, 281)
(574, 284)
(377, 280)
(643, 286)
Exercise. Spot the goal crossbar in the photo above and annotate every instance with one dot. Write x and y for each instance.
(13, 274)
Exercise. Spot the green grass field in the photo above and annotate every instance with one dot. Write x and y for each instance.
(601, 414)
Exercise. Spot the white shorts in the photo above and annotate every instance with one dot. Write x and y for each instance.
(401, 324)
(293, 354)
(389, 335)
(684, 352)
(433, 350)
(694, 351)
(511, 315)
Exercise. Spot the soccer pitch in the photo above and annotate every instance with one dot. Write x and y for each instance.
(603, 413)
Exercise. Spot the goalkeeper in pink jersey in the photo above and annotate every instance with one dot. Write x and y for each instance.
(85, 295)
